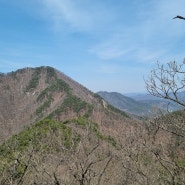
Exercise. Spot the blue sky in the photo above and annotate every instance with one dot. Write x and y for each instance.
(103, 44)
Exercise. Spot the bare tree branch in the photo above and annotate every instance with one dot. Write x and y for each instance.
(167, 81)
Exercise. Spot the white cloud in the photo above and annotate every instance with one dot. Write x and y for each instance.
(154, 35)
(109, 50)
(78, 15)
(146, 34)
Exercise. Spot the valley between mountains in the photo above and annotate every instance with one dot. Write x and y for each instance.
(140, 104)
(55, 131)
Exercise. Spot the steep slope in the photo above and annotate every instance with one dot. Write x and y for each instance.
(21, 102)
(139, 104)
(76, 152)
(55, 131)
(125, 103)
(31, 94)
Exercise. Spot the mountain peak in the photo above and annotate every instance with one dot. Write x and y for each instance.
(31, 94)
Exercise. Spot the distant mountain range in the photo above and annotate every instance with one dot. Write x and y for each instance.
(141, 96)
(138, 103)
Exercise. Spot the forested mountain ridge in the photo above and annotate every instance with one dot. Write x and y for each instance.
(31, 94)
(140, 105)
(55, 131)
(125, 103)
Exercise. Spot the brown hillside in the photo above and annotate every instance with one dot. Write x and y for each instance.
(55, 131)
(31, 94)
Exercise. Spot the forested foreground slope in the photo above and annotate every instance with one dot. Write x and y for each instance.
(55, 131)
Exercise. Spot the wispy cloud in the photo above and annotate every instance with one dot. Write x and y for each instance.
(107, 35)
(154, 35)
(110, 49)
(78, 15)
(145, 33)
